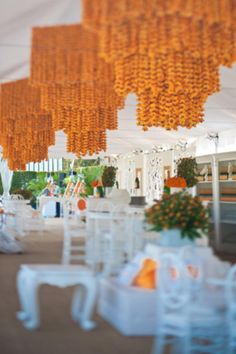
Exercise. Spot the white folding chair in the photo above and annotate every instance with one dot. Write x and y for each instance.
(199, 327)
(98, 228)
(74, 248)
(173, 294)
(119, 240)
(194, 267)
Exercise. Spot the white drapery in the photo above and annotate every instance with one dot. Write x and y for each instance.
(6, 176)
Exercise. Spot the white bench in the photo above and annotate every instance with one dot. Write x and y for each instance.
(31, 276)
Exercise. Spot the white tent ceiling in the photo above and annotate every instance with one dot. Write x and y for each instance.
(16, 19)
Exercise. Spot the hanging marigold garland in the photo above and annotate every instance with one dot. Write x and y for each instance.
(86, 142)
(167, 52)
(76, 85)
(26, 130)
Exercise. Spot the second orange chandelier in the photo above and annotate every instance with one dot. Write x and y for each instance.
(166, 51)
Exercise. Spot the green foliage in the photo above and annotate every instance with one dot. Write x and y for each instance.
(187, 169)
(26, 194)
(37, 184)
(90, 174)
(21, 180)
(109, 176)
(86, 163)
(179, 210)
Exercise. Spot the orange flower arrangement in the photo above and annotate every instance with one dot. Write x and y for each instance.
(176, 182)
(26, 129)
(167, 52)
(76, 85)
(179, 210)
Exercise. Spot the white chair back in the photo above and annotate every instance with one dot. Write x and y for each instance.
(73, 232)
(173, 285)
(194, 266)
(103, 225)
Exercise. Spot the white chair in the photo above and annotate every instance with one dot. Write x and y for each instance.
(31, 277)
(120, 240)
(199, 327)
(33, 221)
(173, 296)
(230, 292)
(194, 266)
(74, 232)
(16, 197)
(98, 228)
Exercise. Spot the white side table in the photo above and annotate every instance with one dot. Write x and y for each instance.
(31, 276)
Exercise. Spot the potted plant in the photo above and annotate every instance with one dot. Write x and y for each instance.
(36, 186)
(187, 169)
(109, 178)
(180, 218)
(90, 176)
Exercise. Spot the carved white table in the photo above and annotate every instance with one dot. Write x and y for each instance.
(31, 276)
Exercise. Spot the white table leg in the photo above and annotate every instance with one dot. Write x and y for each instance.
(21, 287)
(83, 303)
(27, 289)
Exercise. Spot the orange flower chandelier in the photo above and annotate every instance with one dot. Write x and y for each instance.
(167, 52)
(26, 130)
(76, 85)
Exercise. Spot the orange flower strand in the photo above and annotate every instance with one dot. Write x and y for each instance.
(76, 85)
(98, 12)
(26, 130)
(86, 143)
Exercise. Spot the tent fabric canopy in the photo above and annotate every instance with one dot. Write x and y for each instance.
(16, 20)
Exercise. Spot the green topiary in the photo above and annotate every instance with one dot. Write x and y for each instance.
(109, 176)
(187, 169)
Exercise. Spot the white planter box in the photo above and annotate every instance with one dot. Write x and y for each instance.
(130, 310)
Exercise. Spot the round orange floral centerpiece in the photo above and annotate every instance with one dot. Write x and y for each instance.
(176, 182)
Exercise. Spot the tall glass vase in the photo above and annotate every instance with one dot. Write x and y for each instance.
(173, 238)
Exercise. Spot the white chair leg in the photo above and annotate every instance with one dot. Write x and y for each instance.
(158, 345)
(66, 250)
(83, 304)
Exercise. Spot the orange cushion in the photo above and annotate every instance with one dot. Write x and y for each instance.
(81, 204)
(146, 277)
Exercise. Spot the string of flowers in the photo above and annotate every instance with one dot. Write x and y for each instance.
(26, 129)
(76, 85)
(163, 50)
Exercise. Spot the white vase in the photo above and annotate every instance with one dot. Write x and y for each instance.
(108, 191)
(121, 196)
(192, 191)
(173, 238)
